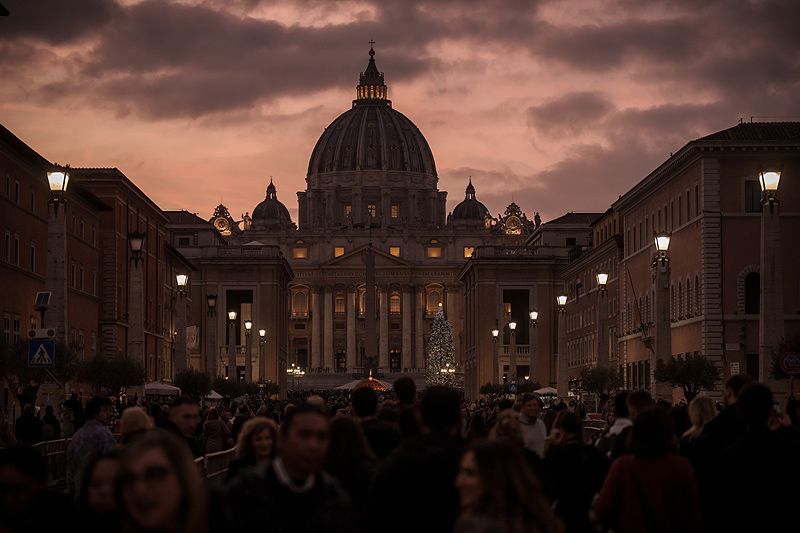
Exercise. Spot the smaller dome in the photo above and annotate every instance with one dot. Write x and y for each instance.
(470, 209)
(271, 213)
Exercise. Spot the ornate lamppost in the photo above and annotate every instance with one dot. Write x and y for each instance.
(602, 319)
(211, 348)
(232, 373)
(248, 355)
(495, 334)
(533, 317)
(662, 335)
(58, 181)
(262, 364)
(136, 302)
(771, 319)
(180, 323)
(561, 369)
(512, 359)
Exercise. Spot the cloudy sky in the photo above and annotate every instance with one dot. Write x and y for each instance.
(561, 104)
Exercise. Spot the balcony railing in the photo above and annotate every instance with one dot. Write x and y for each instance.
(522, 349)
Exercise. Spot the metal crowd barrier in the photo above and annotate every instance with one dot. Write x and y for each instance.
(55, 453)
(216, 464)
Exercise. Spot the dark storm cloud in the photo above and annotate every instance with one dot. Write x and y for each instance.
(55, 21)
(569, 114)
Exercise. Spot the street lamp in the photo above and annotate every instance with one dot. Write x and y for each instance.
(662, 246)
(602, 281)
(248, 355)
(58, 181)
(232, 372)
(534, 316)
(211, 340)
(212, 304)
(512, 326)
(769, 187)
(561, 368)
(495, 333)
(136, 242)
(182, 279)
(562, 302)
(262, 343)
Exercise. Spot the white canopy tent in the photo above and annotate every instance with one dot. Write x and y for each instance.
(213, 395)
(546, 391)
(157, 388)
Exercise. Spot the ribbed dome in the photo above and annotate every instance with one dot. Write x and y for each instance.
(271, 213)
(371, 135)
(470, 209)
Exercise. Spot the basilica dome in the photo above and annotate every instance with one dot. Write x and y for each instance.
(469, 211)
(271, 213)
(371, 135)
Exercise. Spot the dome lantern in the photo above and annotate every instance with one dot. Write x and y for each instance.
(370, 83)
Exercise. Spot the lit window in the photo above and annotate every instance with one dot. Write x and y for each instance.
(300, 252)
(394, 303)
(372, 211)
(300, 304)
(434, 251)
(338, 251)
(348, 211)
(468, 250)
(339, 303)
(395, 211)
(394, 250)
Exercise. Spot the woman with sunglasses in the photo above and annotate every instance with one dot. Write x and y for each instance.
(160, 487)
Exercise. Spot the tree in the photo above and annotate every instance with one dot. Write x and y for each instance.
(233, 389)
(193, 383)
(25, 381)
(441, 352)
(692, 373)
(601, 380)
(111, 374)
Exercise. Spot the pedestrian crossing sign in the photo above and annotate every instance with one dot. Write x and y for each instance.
(41, 353)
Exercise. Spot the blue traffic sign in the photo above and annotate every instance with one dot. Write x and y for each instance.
(41, 353)
(512, 387)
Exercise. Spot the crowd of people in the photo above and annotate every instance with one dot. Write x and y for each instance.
(401, 461)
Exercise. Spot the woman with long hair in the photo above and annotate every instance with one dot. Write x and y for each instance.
(652, 489)
(498, 492)
(97, 508)
(256, 445)
(159, 487)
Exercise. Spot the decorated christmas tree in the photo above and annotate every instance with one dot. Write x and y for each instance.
(441, 354)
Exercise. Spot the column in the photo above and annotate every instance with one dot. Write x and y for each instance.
(602, 328)
(136, 316)
(351, 329)
(211, 345)
(407, 311)
(383, 344)
(419, 330)
(248, 357)
(56, 316)
(327, 316)
(534, 344)
(180, 338)
(771, 318)
(562, 384)
(662, 342)
(232, 373)
(315, 329)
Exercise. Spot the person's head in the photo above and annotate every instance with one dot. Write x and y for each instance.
(257, 439)
(531, 405)
(185, 414)
(440, 409)
(701, 411)
(133, 422)
(755, 405)
(212, 414)
(494, 480)
(653, 432)
(159, 487)
(621, 405)
(365, 402)
(99, 408)
(637, 401)
(566, 427)
(406, 390)
(23, 478)
(98, 492)
(507, 427)
(734, 386)
(316, 400)
(303, 440)
(348, 444)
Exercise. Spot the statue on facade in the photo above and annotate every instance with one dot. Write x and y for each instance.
(247, 221)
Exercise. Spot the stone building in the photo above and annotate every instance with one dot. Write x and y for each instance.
(371, 190)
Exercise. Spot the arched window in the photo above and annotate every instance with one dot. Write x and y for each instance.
(394, 303)
(300, 303)
(433, 300)
(697, 296)
(362, 301)
(680, 300)
(339, 303)
(752, 293)
(689, 306)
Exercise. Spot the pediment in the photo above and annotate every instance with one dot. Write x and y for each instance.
(357, 259)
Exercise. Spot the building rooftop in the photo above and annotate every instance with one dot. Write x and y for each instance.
(757, 131)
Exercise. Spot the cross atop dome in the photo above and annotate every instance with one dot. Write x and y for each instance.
(370, 84)
(470, 190)
(271, 192)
